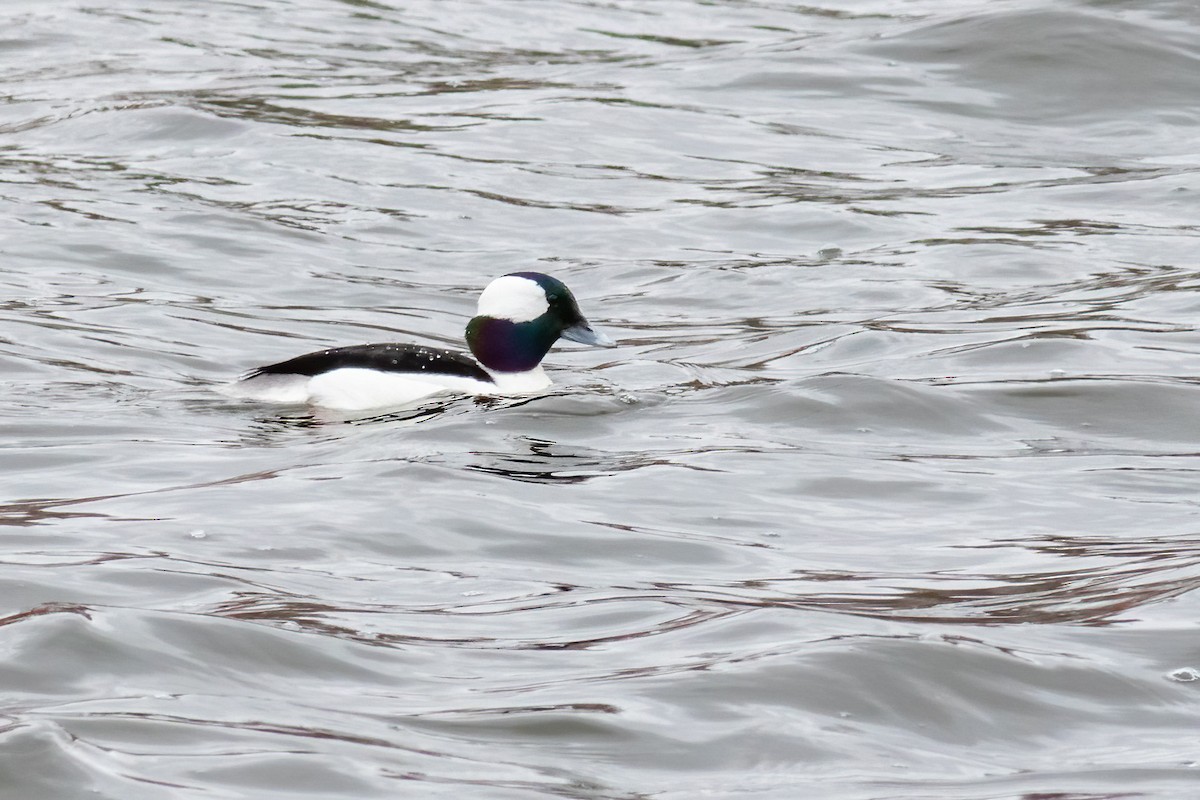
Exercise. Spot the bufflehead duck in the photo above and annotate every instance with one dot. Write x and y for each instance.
(519, 317)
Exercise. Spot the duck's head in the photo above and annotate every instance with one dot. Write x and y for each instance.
(520, 316)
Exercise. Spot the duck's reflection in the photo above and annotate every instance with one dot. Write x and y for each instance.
(544, 461)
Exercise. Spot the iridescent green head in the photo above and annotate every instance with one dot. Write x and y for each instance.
(520, 317)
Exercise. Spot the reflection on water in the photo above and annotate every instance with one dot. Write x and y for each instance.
(1119, 578)
(35, 513)
(548, 462)
(888, 490)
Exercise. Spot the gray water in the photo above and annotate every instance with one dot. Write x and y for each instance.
(890, 490)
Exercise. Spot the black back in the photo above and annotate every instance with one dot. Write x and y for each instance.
(382, 357)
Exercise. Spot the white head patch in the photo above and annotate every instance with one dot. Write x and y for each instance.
(512, 298)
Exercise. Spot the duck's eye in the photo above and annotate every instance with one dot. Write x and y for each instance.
(553, 298)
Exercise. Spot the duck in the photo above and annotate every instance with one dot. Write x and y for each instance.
(518, 318)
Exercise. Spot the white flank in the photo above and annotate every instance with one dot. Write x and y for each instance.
(512, 298)
(355, 389)
(269, 389)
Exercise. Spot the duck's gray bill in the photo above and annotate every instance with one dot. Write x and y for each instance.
(586, 334)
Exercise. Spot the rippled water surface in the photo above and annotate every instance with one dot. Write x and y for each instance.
(890, 490)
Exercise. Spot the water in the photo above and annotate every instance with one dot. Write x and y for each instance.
(889, 492)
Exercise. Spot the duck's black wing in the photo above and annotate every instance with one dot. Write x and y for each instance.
(380, 357)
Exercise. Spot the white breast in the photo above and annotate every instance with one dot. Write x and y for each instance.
(533, 380)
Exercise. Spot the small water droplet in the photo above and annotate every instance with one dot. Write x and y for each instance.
(290, 625)
(198, 534)
(1184, 674)
(1058, 373)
